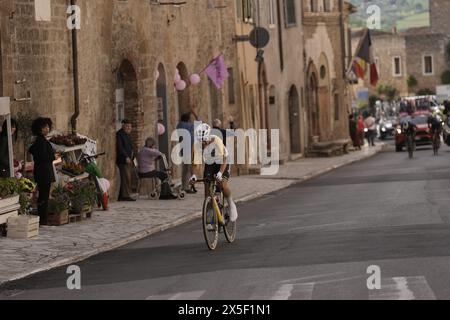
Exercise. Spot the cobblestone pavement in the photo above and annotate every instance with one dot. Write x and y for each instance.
(128, 222)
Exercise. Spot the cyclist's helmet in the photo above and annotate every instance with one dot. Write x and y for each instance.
(405, 125)
(203, 132)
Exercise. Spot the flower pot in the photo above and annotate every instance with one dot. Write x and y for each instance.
(58, 219)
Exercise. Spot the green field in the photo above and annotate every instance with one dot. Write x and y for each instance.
(417, 20)
(401, 13)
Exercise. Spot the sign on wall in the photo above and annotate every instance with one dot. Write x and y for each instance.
(43, 10)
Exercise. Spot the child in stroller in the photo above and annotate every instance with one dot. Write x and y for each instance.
(147, 169)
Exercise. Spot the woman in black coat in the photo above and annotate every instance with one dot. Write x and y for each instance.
(43, 157)
(4, 148)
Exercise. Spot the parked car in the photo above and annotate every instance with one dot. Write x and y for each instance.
(423, 134)
(386, 127)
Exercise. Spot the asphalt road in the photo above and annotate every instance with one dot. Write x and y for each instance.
(314, 240)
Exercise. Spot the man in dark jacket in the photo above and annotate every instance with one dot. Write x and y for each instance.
(124, 161)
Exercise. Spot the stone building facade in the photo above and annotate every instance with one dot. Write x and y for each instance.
(327, 57)
(418, 52)
(303, 40)
(128, 52)
(278, 79)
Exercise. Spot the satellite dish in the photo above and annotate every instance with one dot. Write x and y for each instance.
(259, 37)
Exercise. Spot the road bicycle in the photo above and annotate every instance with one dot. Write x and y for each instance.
(216, 216)
(410, 145)
(102, 197)
(436, 142)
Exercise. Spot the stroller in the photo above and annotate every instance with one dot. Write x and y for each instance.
(164, 190)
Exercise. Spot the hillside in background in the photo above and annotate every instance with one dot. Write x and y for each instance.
(401, 13)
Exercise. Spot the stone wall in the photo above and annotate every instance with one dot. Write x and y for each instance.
(114, 34)
(417, 46)
(326, 58)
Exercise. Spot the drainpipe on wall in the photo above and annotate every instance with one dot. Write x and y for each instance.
(343, 45)
(76, 89)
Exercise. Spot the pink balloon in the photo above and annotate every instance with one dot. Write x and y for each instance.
(177, 71)
(177, 78)
(181, 85)
(195, 79)
(161, 129)
(157, 74)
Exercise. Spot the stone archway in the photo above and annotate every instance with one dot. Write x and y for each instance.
(162, 113)
(184, 100)
(294, 120)
(127, 84)
(273, 109)
(1, 61)
(313, 103)
(324, 98)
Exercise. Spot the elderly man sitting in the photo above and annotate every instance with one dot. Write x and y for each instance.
(146, 159)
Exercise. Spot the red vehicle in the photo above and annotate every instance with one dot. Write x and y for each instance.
(423, 134)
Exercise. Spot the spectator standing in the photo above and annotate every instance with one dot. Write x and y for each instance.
(43, 157)
(124, 160)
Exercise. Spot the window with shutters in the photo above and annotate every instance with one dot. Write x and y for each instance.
(290, 13)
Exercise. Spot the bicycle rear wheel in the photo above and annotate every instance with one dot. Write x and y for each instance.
(410, 147)
(436, 141)
(230, 228)
(210, 224)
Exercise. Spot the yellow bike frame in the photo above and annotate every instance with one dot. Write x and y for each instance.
(212, 188)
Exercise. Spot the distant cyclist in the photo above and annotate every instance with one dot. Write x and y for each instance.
(434, 124)
(409, 127)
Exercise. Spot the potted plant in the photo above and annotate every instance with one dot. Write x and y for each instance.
(82, 196)
(23, 226)
(58, 207)
(8, 194)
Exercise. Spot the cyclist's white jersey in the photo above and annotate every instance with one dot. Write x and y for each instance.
(215, 152)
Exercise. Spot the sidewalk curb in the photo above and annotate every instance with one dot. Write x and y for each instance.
(183, 220)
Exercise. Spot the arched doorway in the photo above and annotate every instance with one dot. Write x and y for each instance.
(127, 103)
(263, 89)
(324, 98)
(313, 103)
(273, 109)
(294, 120)
(184, 101)
(161, 98)
(1, 62)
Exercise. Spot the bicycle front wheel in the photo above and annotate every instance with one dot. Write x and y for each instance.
(230, 228)
(210, 224)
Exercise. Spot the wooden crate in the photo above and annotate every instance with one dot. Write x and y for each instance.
(23, 227)
(73, 218)
(58, 219)
(86, 213)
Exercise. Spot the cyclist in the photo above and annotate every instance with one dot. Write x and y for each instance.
(434, 124)
(215, 158)
(409, 128)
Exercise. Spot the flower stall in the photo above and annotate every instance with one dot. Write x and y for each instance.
(9, 200)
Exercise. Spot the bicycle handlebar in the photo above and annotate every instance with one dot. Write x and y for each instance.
(85, 156)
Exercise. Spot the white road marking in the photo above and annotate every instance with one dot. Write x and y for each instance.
(403, 288)
(190, 296)
(302, 291)
(325, 225)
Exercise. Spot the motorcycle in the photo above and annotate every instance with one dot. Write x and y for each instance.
(102, 185)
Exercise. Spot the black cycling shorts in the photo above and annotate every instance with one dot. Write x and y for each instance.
(212, 169)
